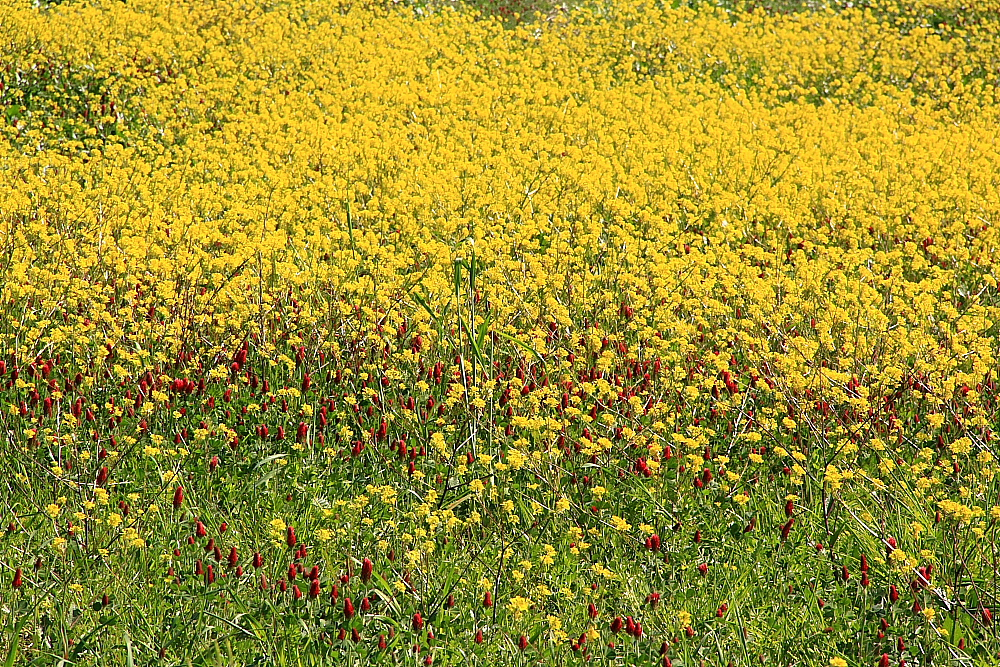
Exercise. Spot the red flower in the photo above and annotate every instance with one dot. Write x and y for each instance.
(290, 538)
(348, 608)
(418, 622)
(592, 610)
(18, 578)
(523, 642)
(233, 557)
(617, 624)
(314, 589)
(258, 560)
(987, 617)
(488, 599)
(178, 497)
(366, 570)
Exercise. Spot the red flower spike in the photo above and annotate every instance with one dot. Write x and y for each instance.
(298, 593)
(348, 608)
(314, 589)
(479, 636)
(987, 617)
(893, 593)
(418, 622)
(233, 557)
(523, 642)
(290, 538)
(488, 599)
(366, 606)
(617, 624)
(884, 660)
(258, 560)
(592, 610)
(382, 644)
(366, 570)
(18, 578)
(178, 497)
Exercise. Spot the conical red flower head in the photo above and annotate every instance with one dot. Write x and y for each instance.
(178, 497)
(199, 529)
(987, 617)
(258, 560)
(884, 661)
(479, 636)
(523, 642)
(233, 557)
(382, 643)
(488, 599)
(348, 608)
(18, 578)
(290, 538)
(592, 610)
(418, 622)
(617, 624)
(366, 570)
(893, 593)
(366, 605)
(314, 589)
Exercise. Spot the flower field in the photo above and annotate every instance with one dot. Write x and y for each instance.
(629, 333)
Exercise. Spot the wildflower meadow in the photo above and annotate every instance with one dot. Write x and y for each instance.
(427, 332)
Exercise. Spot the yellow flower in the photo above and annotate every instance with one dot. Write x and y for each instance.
(620, 524)
(518, 605)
